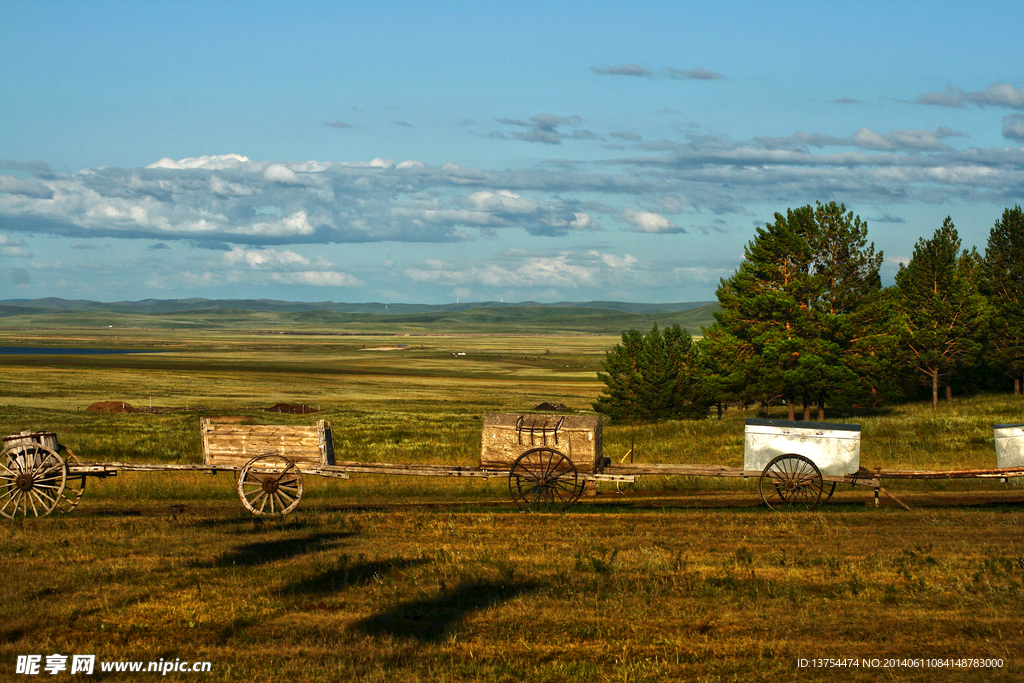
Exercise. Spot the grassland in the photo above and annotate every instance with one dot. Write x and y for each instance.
(392, 579)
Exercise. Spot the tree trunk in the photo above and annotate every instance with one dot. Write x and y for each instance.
(1016, 386)
(949, 392)
(821, 412)
(719, 410)
(792, 410)
(807, 412)
(935, 388)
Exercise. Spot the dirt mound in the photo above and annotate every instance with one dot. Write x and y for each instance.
(111, 407)
(291, 409)
(551, 407)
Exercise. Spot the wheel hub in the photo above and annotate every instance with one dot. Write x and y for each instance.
(23, 482)
(270, 486)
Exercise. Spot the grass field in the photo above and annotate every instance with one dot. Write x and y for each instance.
(409, 579)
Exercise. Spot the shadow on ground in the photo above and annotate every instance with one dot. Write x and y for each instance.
(263, 552)
(347, 574)
(432, 619)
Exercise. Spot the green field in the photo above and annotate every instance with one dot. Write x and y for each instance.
(410, 579)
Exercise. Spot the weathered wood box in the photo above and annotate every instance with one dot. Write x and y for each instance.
(233, 445)
(27, 438)
(506, 436)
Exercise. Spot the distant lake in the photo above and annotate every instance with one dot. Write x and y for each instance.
(53, 351)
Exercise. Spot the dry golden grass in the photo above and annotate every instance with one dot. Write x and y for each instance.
(409, 579)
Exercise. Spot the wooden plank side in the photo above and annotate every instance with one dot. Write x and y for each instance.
(235, 444)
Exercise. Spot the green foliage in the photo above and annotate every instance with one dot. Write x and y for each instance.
(803, 319)
(654, 376)
(1002, 281)
(940, 308)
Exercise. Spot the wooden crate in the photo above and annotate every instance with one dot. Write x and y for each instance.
(506, 436)
(233, 445)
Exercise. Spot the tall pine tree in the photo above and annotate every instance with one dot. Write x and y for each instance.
(803, 311)
(939, 308)
(764, 309)
(1002, 282)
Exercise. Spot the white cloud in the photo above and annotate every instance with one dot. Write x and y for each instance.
(1013, 127)
(279, 173)
(317, 278)
(14, 252)
(699, 74)
(264, 258)
(46, 265)
(523, 271)
(214, 162)
(613, 261)
(650, 222)
(995, 95)
(622, 70)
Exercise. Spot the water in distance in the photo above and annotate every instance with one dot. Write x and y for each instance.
(61, 351)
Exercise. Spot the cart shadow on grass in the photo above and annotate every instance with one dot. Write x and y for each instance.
(264, 552)
(346, 574)
(431, 620)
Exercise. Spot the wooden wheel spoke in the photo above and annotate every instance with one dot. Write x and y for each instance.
(270, 484)
(543, 478)
(791, 481)
(43, 495)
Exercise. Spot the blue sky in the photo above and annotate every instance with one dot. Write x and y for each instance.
(424, 152)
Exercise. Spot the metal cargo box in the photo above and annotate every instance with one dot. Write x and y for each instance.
(833, 447)
(1009, 445)
(506, 436)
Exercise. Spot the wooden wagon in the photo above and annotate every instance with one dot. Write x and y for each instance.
(547, 460)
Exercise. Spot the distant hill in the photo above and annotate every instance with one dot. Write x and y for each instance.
(11, 306)
(328, 316)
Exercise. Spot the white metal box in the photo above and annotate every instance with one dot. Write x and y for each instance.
(833, 447)
(1009, 445)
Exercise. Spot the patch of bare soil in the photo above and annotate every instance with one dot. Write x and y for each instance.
(291, 409)
(111, 407)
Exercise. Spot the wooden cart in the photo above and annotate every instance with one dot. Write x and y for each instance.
(546, 459)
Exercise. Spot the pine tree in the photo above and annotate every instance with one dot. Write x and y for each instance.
(654, 376)
(799, 310)
(940, 311)
(1002, 281)
(764, 308)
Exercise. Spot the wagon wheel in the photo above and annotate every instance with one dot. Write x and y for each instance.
(544, 479)
(791, 482)
(32, 479)
(828, 488)
(74, 486)
(270, 485)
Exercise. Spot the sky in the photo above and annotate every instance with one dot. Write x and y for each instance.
(482, 151)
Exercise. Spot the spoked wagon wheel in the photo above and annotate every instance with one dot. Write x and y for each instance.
(828, 488)
(791, 482)
(74, 487)
(32, 479)
(270, 485)
(544, 479)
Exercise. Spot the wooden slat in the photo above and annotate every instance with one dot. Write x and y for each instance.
(952, 474)
(673, 469)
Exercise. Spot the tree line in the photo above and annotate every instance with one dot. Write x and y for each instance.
(806, 322)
